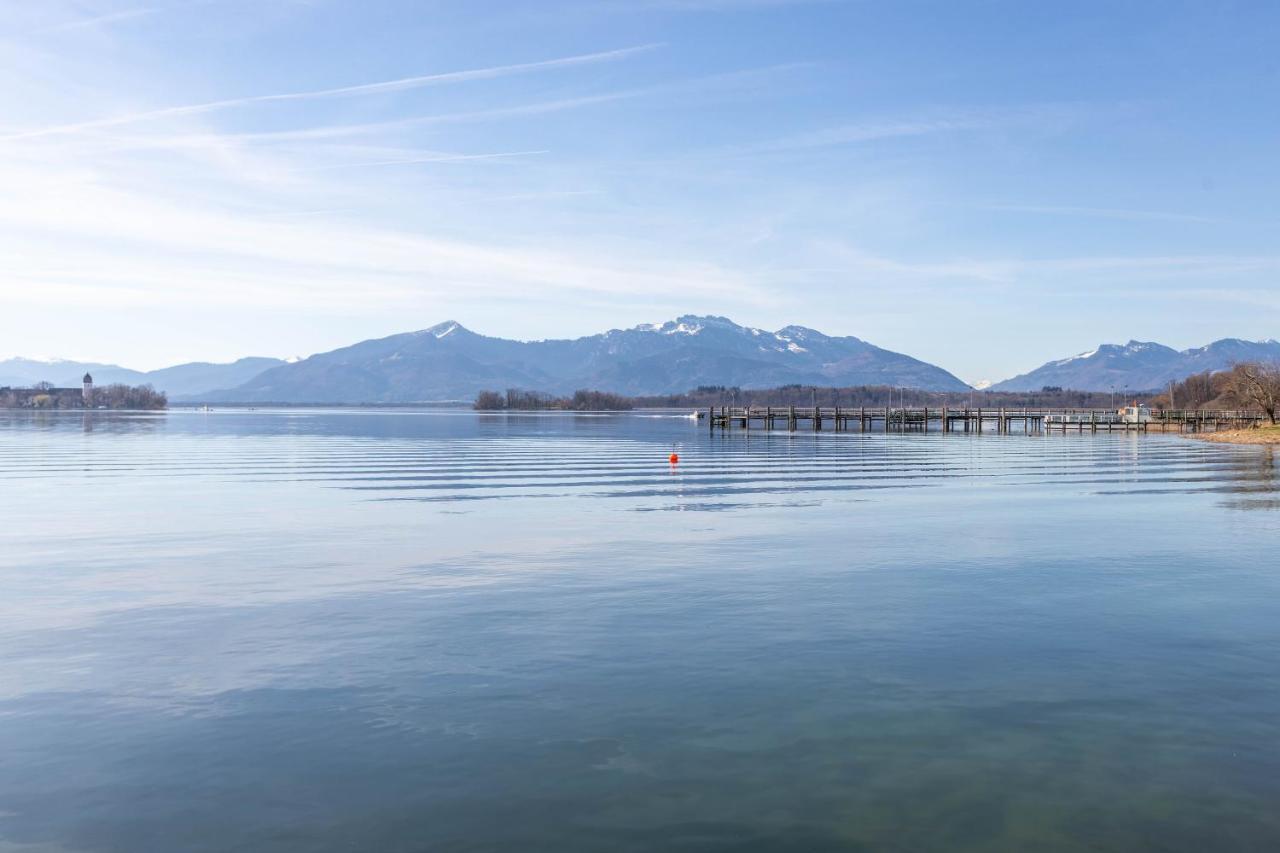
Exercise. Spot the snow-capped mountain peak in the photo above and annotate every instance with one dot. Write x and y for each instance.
(1139, 365)
(442, 330)
(447, 362)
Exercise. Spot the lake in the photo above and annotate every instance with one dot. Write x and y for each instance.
(365, 630)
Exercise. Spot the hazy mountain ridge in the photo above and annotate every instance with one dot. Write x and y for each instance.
(450, 362)
(1139, 365)
(196, 377)
(21, 372)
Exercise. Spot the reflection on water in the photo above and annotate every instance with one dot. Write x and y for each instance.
(406, 631)
(1257, 476)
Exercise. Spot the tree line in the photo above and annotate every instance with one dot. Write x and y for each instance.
(1249, 385)
(43, 395)
(1252, 385)
(787, 395)
(514, 399)
(120, 396)
(875, 396)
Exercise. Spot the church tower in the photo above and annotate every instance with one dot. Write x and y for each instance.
(88, 391)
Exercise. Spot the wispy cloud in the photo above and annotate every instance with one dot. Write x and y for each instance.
(429, 158)
(1036, 116)
(1157, 265)
(106, 19)
(712, 5)
(710, 82)
(546, 194)
(138, 247)
(397, 85)
(335, 131)
(98, 20)
(706, 83)
(868, 131)
(1085, 270)
(1098, 212)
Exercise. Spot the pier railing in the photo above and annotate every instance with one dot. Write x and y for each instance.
(947, 419)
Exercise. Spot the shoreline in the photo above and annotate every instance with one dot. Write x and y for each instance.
(1267, 435)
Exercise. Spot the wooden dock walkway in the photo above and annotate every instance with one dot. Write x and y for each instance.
(947, 420)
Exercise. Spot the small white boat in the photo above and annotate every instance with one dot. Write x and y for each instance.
(1135, 414)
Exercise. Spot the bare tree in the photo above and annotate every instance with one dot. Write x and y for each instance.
(1256, 384)
(490, 401)
(1195, 392)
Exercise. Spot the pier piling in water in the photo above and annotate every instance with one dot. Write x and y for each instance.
(902, 419)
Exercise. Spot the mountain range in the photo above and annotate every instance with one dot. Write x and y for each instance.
(180, 380)
(1139, 365)
(450, 362)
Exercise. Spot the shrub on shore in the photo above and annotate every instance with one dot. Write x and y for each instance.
(515, 399)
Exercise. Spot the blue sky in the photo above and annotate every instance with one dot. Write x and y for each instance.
(985, 185)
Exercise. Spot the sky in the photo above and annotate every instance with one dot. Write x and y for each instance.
(983, 185)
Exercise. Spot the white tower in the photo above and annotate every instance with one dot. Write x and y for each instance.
(88, 391)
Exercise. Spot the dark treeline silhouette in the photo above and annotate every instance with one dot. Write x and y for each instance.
(515, 399)
(796, 395)
(43, 395)
(1245, 386)
(120, 396)
(878, 395)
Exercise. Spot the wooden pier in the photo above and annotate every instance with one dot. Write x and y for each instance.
(947, 420)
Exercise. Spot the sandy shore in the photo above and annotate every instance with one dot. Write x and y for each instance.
(1262, 435)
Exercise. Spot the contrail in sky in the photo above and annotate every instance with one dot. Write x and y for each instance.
(398, 85)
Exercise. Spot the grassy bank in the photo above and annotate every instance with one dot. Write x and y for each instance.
(1259, 435)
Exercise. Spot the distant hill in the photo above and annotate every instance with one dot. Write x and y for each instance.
(177, 381)
(199, 377)
(1139, 365)
(22, 372)
(449, 362)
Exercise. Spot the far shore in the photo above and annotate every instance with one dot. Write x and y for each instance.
(1257, 435)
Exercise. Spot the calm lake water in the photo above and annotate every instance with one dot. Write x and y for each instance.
(433, 631)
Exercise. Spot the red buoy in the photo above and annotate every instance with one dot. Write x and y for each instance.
(674, 458)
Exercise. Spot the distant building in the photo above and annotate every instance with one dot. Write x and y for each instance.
(45, 396)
